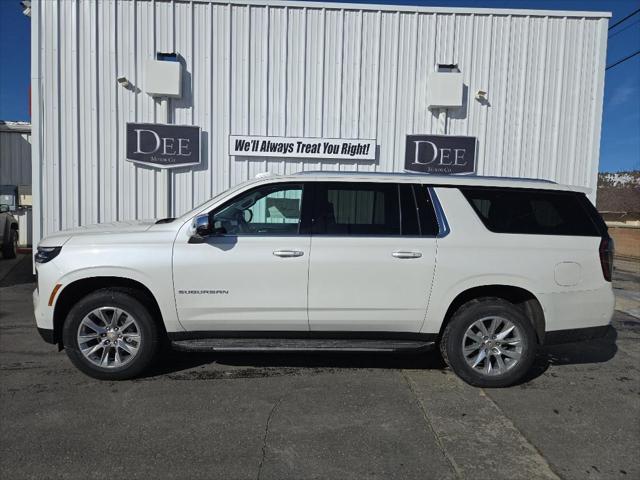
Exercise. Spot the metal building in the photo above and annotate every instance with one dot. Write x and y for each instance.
(15, 153)
(15, 175)
(532, 93)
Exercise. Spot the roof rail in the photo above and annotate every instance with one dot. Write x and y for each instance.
(407, 174)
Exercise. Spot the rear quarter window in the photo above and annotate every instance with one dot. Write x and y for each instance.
(536, 212)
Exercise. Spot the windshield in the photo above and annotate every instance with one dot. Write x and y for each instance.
(195, 210)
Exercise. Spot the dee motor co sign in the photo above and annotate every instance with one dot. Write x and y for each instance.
(440, 154)
(302, 147)
(163, 145)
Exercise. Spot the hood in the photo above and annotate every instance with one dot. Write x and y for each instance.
(58, 239)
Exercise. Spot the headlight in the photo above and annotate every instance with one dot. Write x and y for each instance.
(46, 254)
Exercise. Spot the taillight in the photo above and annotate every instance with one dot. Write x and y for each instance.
(606, 257)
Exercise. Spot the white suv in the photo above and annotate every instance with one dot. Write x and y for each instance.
(486, 268)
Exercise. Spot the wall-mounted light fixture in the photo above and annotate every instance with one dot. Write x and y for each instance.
(123, 82)
(26, 7)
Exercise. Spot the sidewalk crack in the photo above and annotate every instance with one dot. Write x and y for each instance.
(266, 434)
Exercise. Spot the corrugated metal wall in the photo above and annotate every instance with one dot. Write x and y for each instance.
(15, 154)
(301, 69)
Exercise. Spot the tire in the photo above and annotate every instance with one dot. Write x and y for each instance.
(133, 330)
(516, 351)
(10, 249)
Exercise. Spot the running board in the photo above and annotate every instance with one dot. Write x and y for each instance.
(298, 344)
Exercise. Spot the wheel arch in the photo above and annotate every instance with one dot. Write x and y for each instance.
(78, 289)
(520, 297)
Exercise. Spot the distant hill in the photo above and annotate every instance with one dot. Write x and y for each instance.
(619, 192)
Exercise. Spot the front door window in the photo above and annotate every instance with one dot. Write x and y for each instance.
(268, 210)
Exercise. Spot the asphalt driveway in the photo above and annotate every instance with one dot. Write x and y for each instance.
(318, 416)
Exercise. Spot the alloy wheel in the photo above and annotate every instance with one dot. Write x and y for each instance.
(109, 337)
(492, 345)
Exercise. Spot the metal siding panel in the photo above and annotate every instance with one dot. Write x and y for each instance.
(68, 98)
(499, 94)
(352, 53)
(369, 77)
(596, 86)
(477, 60)
(51, 151)
(144, 199)
(202, 112)
(277, 80)
(314, 68)
(458, 120)
(405, 81)
(388, 85)
(537, 71)
(516, 78)
(295, 80)
(37, 118)
(425, 64)
(332, 110)
(240, 33)
(126, 60)
(107, 111)
(181, 22)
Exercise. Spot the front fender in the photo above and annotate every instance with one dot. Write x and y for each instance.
(163, 294)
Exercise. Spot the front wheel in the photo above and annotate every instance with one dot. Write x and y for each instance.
(489, 342)
(110, 335)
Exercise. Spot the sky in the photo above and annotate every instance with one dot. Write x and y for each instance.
(620, 143)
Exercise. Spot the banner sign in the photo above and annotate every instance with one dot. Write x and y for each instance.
(440, 154)
(163, 145)
(302, 147)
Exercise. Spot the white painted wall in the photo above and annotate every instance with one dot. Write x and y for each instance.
(299, 69)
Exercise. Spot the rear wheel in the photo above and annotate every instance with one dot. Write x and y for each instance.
(489, 342)
(110, 335)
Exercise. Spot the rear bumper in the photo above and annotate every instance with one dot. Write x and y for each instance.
(576, 334)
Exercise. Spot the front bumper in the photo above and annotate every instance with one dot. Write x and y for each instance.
(45, 332)
(47, 335)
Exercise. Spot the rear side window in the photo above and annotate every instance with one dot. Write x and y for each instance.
(378, 209)
(426, 211)
(410, 225)
(536, 212)
(356, 209)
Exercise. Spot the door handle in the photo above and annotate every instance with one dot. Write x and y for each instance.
(407, 254)
(288, 253)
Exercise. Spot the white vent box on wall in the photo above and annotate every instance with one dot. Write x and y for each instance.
(163, 79)
(444, 90)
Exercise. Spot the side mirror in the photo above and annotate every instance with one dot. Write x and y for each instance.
(201, 224)
(4, 208)
(202, 228)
